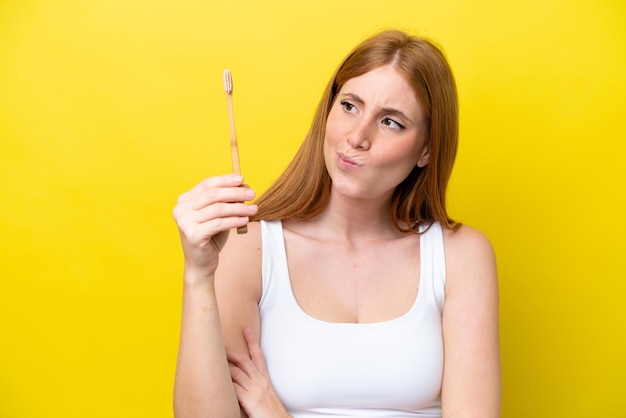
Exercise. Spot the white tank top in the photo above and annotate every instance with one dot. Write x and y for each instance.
(389, 369)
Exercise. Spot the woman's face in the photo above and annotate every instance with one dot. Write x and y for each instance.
(374, 135)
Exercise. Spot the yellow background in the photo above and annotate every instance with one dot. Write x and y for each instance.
(110, 109)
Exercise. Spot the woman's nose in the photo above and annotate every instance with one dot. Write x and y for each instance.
(359, 135)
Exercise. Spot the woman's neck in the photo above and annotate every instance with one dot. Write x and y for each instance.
(353, 220)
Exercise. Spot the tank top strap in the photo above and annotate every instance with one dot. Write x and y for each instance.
(275, 271)
(433, 263)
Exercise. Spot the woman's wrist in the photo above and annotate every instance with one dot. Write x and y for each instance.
(194, 277)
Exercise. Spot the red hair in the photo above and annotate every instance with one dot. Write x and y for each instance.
(303, 189)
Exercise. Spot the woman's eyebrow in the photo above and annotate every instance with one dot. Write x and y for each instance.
(354, 97)
(396, 112)
(388, 110)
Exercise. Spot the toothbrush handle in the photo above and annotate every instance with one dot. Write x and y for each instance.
(234, 150)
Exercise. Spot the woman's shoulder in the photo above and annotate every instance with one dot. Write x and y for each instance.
(242, 256)
(466, 237)
(247, 243)
(468, 251)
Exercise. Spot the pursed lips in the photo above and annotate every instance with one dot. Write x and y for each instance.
(348, 162)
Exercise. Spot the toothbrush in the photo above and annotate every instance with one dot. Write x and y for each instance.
(228, 89)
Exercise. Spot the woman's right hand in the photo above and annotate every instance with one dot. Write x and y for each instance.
(204, 216)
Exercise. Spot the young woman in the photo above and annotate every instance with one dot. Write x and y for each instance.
(353, 294)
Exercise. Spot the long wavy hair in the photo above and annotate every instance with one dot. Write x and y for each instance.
(303, 189)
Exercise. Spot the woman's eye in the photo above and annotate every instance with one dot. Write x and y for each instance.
(392, 124)
(347, 106)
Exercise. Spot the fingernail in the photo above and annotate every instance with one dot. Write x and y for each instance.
(237, 178)
(250, 193)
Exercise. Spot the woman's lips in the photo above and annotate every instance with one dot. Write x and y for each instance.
(347, 163)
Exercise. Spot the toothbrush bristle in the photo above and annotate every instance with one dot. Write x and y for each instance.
(228, 81)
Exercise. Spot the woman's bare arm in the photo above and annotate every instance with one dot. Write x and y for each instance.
(471, 383)
(203, 386)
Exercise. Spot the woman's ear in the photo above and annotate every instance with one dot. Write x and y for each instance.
(424, 157)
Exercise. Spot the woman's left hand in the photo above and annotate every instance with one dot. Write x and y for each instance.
(252, 383)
